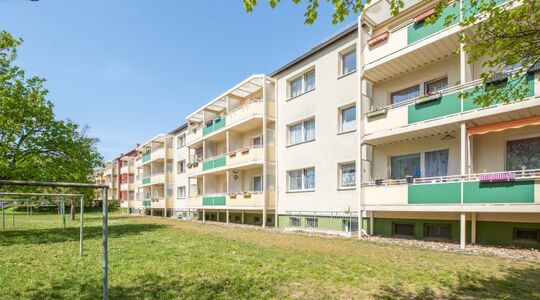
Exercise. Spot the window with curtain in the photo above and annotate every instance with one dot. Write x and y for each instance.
(348, 62)
(348, 175)
(405, 94)
(348, 119)
(523, 154)
(181, 141)
(301, 132)
(436, 163)
(405, 165)
(435, 86)
(302, 84)
(181, 192)
(303, 179)
(257, 184)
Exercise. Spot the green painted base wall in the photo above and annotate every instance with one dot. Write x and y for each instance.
(487, 232)
(249, 218)
(325, 223)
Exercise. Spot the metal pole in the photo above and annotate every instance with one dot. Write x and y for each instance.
(13, 214)
(3, 217)
(81, 227)
(64, 213)
(105, 246)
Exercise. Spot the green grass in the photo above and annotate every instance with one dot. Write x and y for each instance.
(155, 258)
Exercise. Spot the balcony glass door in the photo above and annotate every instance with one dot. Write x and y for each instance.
(523, 154)
(405, 165)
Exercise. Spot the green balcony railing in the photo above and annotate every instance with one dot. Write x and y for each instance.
(146, 203)
(449, 104)
(146, 157)
(214, 200)
(147, 180)
(215, 163)
(216, 124)
(420, 30)
(474, 192)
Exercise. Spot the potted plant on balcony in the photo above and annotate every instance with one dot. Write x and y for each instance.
(379, 181)
(428, 97)
(244, 150)
(247, 195)
(377, 112)
(232, 195)
(409, 178)
(232, 154)
(189, 165)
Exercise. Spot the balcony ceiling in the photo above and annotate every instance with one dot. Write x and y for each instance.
(523, 113)
(397, 65)
(448, 131)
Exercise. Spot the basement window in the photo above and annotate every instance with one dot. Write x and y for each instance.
(438, 231)
(295, 222)
(401, 229)
(528, 235)
(312, 223)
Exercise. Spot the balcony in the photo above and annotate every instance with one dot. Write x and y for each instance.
(157, 178)
(194, 168)
(497, 188)
(214, 162)
(245, 155)
(127, 170)
(239, 200)
(429, 108)
(127, 186)
(214, 200)
(214, 125)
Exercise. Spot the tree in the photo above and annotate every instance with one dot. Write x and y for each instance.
(506, 38)
(34, 145)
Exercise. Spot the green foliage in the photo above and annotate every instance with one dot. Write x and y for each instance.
(34, 145)
(498, 37)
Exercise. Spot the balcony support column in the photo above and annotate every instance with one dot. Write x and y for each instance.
(227, 216)
(204, 215)
(462, 231)
(371, 222)
(217, 216)
(463, 148)
(242, 217)
(473, 228)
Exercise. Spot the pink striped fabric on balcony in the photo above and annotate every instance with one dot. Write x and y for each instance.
(498, 177)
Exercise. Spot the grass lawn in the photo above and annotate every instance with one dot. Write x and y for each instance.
(156, 258)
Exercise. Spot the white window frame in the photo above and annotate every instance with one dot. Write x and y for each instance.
(304, 175)
(341, 110)
(253, 141)
(304, 140)
(303, 78)
(181, 141)
(180, 195)
(181, 167)
(342, 62)
(253, 183)
(340, 175)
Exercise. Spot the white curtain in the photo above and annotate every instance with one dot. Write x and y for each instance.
(437, 163)
(310, 81)
(348, 175)
(309, 180)
(295, 180)
(295, 134)
(309, 130)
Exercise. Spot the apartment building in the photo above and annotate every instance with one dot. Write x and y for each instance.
(231, 158)
(181, 181)
(110, 177)
(126, 197)
(154, 180)
(435, 165)
(317, 142)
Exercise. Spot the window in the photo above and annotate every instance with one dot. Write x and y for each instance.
(348, 62)
(181, 192)
(181, 167)
(256, 219)
(302, 132)
(405, 165)
(405, 94)
(350, 225)
(435, 86)
(347, 176)
(436, 163)
(257, 141)
(348, 119)
(404, 229)
(523, 154)
(532, 235)
(302, 84)
(181, 141)
(303, 179)
(439, 231)
(312, 223)
(257, 184)
(295, 222)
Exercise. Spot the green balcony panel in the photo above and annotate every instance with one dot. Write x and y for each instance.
(208, 129)
(147, 180)
(468, 10)
(208, 201)
(217, 124)
(146, 157)
(468, 103)
(220, 200)
(437, 193)
(220, 162)
(499, 192)
(147, 203)
(207, 165)
(418, 31)
(447, 105)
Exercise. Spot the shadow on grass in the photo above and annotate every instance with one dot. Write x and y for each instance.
(153, 286)
(70, 234)
(513, 284)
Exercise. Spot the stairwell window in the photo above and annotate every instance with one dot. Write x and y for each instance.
(347, 175)
(348, 62)
(347, 116)
(181, 192)
(302, 84)
(301, 180)
(181, 141)
(257, 184)
(181, 167)
(301, 132)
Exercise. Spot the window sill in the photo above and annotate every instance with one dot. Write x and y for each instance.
(347, 74)
(305, 142)
(300, 191)
(299, 95)
(352, 188)
(345, 132)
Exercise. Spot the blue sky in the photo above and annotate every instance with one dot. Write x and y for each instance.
(130, 69)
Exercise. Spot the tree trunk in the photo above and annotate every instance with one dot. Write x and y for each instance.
(72, 211)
